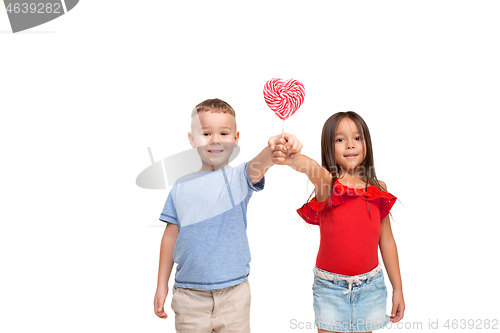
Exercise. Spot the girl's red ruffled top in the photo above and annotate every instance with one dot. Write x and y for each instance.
(350, 228)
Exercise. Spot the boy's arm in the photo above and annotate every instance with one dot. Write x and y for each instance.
(389, 253)
(165, 267)
(259, 165)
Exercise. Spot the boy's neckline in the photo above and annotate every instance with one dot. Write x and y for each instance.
(211, 170)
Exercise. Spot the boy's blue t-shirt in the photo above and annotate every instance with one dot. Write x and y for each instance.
(210, 209)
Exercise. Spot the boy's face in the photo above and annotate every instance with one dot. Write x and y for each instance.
(214, 135)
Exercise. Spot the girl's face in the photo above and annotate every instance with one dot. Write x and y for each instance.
(350, 149)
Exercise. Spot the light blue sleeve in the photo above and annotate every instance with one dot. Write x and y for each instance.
(255, 187)
(241, 188)
(169, 213)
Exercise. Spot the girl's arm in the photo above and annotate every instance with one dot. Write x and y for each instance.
(319, 176)
(389, 253)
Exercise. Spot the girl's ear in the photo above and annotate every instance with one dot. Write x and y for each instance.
(191, 140)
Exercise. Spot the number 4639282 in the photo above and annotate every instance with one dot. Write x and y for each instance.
(34, 8)
(486, 324)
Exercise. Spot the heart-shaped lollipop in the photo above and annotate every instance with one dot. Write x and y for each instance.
(284, 97)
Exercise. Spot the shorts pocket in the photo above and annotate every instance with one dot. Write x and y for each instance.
(320, 286)
(248, 293)
(173, 305)
(322, 283)
(379, 283)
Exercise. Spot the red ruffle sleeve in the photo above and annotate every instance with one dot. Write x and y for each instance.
(386, 204)
(387, 200)
(311, 211)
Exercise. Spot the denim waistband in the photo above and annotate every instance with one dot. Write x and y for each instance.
(356, 279)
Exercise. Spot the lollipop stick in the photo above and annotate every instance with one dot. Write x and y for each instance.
(283, 129)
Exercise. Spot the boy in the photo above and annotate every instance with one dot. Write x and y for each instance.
(205, 234)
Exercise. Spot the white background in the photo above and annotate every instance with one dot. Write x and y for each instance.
(83, 96)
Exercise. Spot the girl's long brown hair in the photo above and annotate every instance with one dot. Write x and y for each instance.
(328, 152)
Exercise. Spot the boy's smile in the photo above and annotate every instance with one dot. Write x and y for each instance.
(214, 135)
(215, 151)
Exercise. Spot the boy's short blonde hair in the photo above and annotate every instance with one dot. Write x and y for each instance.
(213, 105)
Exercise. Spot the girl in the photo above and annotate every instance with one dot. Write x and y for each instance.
(351, 207)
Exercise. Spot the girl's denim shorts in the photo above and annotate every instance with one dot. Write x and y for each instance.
(362, 309)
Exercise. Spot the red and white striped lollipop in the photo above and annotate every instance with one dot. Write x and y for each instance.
(284, 97)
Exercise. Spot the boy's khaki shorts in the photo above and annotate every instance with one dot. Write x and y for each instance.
(224, 310)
